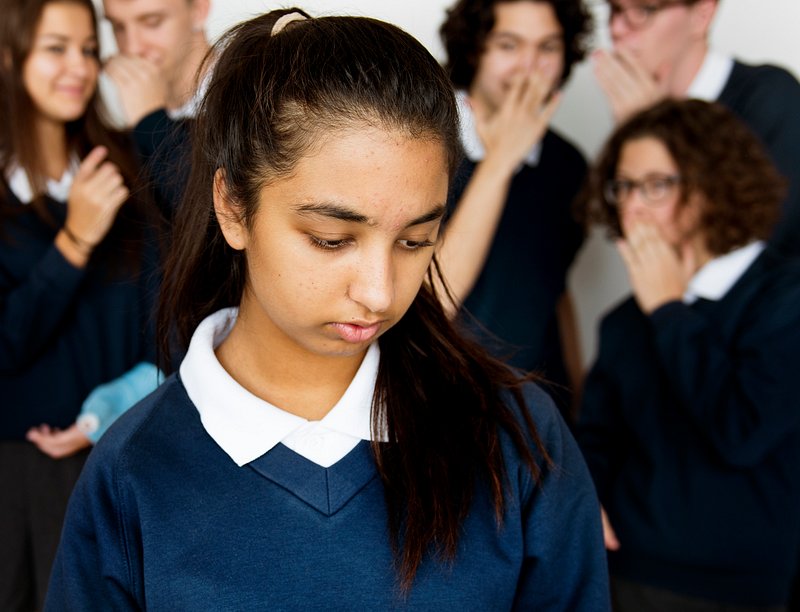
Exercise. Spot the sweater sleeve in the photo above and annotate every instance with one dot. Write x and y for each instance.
(741, 396)
(31, 310)
(108, 401)
(565, 560)
(96, 566)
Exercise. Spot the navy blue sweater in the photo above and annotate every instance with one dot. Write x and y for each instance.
(63, 330)
(163, 519)
(525, 272)
(767, 99)
(691, 429)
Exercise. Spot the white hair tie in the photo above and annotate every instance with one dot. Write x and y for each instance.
(285, 20)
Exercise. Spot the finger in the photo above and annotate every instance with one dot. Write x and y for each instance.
(107, 174)
(91, 162)
(626, 253)
(609, 536)
(551, 106)
(516, 88)
(479, 113)
(119, 195)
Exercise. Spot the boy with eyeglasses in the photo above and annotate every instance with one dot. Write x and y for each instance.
(661, 50)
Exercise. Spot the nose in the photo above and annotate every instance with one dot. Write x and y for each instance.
(372, 283)
(633, 205)
(134, 43)
(80, 65)
(528, 59)
(618, 27)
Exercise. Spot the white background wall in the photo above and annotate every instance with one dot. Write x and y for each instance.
(754, 30)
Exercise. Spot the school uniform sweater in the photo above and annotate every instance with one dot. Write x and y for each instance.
(767, 99)
(163, 518)
(691, 429)
(513, 301)
(64, 330)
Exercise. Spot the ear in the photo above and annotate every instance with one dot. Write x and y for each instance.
(228, 215)
(5, 52)
(702, 15)
(200, 10)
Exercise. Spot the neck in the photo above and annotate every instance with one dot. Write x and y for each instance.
(686, 69)
(274, 368)
(183, 86)
(52, 147)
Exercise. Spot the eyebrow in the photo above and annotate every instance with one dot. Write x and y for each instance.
(342, 213)
(503, 34)
(63, 38)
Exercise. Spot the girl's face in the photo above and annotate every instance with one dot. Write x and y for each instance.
(60, 72)
(647, 159)
(338, 250)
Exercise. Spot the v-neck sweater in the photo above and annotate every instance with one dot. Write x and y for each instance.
(163, 518)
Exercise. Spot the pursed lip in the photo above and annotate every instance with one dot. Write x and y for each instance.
(357, 331)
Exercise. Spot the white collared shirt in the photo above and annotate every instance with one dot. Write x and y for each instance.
(246, 427)
(473, 147)
(715, 278)
(712, 77)
(57, 189)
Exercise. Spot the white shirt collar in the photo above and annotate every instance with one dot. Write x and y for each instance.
(58, 190)
(716, 277)
(712, 77)
(473, 147)
(244, 425)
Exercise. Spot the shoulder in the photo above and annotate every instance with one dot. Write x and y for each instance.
(762, 75)
(621, 316)
(773, 285)
(564, 455)
(149, 422)
(753, 91)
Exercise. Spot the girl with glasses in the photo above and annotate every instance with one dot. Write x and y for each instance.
(689, 421)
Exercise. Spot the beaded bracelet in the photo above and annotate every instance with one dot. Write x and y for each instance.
(83, 246)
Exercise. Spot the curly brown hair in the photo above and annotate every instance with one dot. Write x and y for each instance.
(717, 156)
(469, 22)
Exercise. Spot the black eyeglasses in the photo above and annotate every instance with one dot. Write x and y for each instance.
(638, 16)
(654, 189)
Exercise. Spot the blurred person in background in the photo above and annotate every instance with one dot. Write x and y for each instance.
(511, 238)
(661, 50)
(77, 274)
(689, 421)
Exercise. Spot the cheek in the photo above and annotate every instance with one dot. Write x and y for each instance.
(409, 278)
(551, 66)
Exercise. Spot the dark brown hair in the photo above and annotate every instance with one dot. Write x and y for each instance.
(717, 156)
(441, 399)
(469, 22)
(20, 18)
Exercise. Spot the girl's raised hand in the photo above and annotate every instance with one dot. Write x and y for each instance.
(658, 274)
(97, 194)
